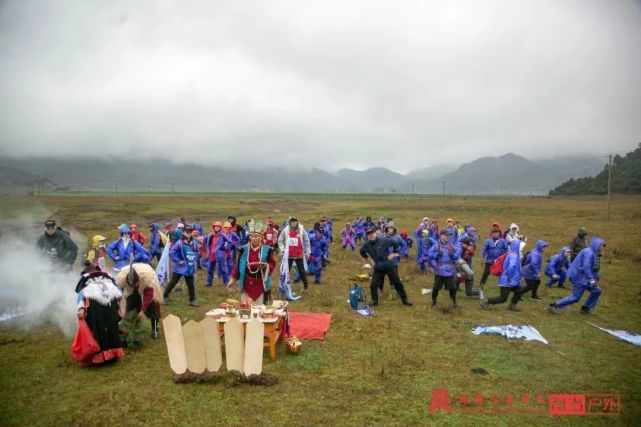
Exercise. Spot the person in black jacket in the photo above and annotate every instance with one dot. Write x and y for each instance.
(376, 250)
(578, 243)
(56, 245)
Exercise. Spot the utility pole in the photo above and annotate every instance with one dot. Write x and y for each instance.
(116, 191)
(412, 187)
(172, 187)
(607, 218)
(443, 190)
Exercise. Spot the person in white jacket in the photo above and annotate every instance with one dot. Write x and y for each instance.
(293, 243)
(513, 233)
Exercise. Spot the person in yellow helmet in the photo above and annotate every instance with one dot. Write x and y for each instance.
(97, 254)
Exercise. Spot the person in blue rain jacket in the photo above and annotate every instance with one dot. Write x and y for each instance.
(557, 267)
(585, 276)
(122, 250)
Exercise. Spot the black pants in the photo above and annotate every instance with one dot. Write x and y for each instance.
(300, 265)
(450, 284)
(532, 285)
(378, 276)
(486, 273)
(469, 289)
(505, 292)
(134, 302)
(382, 283)
(175, 277)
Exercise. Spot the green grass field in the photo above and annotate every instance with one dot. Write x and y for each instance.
(369, 371)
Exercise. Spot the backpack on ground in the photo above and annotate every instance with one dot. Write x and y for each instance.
(356, 297)
(497, 266)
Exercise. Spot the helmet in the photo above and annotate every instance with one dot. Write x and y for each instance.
(97, 239)
(133, 227)
(226, 224)
(217, 224)
(124, 228)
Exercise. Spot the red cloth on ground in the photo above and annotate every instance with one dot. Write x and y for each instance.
(309, 326)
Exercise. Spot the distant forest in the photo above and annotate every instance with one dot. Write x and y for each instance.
(626, 178)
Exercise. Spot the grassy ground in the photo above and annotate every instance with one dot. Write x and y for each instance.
(379, 370)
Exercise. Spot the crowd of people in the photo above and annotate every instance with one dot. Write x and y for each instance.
(120, 288)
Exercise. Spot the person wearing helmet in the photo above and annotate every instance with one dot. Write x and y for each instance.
(405, 251)
(124, 249)
(143, 296)
(424, 225)
(97, 254)
(137, 235)
(215, 244)
(233, 242)
(451, 230)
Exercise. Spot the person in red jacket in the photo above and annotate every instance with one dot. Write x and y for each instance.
(137, 235)
(270, 237)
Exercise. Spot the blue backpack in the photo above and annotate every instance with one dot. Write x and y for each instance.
(356, 297)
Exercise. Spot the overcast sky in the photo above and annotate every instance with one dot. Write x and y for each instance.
(399, 84)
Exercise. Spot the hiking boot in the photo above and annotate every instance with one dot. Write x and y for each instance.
(485, 304)
(373, 303)
(586, 311)
(407, 303)
(513, 307)
(552, 308)
(208, 285)
(317, 282)
(194, 303)
(536, 298)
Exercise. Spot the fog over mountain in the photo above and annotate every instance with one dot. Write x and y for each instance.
(507, 174)
(328, 85)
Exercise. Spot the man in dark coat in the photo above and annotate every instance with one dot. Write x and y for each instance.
(56, 245)
(578, 243)
(377, 251)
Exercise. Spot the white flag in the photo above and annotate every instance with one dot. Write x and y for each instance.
(162, 269)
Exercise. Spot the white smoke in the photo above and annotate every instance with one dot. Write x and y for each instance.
(29, 283)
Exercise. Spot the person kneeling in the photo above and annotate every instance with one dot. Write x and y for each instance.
(143, 296)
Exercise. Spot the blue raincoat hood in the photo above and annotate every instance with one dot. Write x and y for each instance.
(597, 242)
(540, 245)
